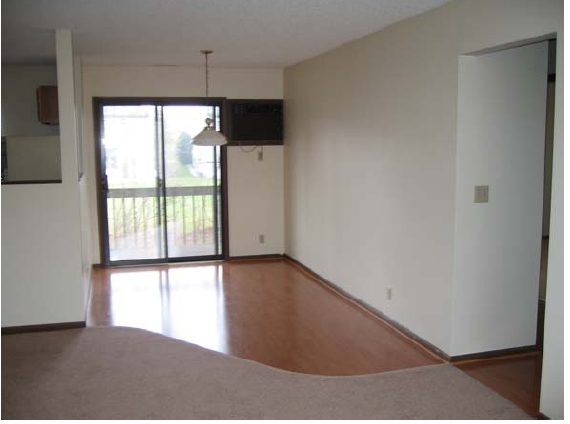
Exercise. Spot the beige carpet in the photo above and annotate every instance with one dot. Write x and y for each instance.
(119, 373)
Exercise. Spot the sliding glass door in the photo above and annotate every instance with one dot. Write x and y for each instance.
(161, 194)
(192, 184)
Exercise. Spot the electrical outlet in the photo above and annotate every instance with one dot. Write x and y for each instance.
(389, 293)
(261, 239)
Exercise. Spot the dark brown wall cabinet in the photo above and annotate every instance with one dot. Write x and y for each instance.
(255, 122)
(48, 109)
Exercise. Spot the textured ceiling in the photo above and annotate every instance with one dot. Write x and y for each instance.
(244, 33)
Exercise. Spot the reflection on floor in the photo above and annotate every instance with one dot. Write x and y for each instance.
(272, 312)
(268, 311)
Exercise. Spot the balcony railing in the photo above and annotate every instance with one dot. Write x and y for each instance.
(136, 217)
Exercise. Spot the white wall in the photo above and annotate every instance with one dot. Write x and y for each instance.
(19, 105)
(256, 203)
(159, 81)
(32, 158)
(86, 213)
(41, 245)
(500, 144)
(20, 118)
(370, 155)
(40, 256)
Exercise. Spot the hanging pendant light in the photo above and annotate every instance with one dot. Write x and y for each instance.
(209, 136)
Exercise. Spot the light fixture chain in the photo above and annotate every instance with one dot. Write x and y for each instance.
(209, 136)
(207, 75)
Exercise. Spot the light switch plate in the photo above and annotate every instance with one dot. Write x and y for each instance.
(481, 194)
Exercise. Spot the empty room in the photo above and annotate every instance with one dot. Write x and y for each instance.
(282, 209)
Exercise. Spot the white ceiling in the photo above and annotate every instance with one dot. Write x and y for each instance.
(242, 33)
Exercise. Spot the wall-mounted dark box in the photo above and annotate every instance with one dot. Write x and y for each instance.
(48, 107)
(255, 122)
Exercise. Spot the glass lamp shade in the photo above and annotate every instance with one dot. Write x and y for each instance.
(209, 136)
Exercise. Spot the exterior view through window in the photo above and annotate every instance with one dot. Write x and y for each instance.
(161, 193)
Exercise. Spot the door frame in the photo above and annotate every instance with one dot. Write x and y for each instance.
(102, 222)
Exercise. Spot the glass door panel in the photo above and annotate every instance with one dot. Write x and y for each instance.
(192, 183)
(132, 169)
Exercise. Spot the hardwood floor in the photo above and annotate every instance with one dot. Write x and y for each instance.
(272, 312)
(515, 377)
(267, 311)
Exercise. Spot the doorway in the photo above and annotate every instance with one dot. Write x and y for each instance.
(499, 209)
(505, 122)
(161, 196)
(547, 191)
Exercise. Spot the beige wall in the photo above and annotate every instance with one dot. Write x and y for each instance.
(33, 158)
(256, 204)
(86, 212)
(41, 234)
(19, 105)
(131, 81)
(27, 146)
(370, 157)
